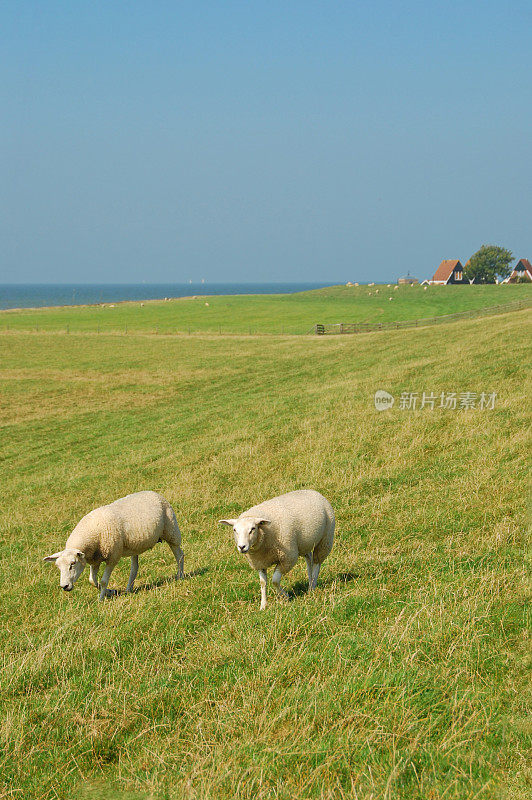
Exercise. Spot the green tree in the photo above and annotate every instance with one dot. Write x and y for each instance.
(488, 263)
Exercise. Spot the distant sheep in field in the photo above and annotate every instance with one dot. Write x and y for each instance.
(278, 531)
(127, 527)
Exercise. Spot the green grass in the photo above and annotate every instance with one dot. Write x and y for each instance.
(403, 677)
(289, 313)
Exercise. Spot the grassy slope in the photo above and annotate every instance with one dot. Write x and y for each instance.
(403, 676)
(294, 313)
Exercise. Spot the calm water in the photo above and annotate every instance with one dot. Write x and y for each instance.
(39, 295)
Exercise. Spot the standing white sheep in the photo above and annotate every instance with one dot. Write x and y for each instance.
(278, 531)
(127, 527)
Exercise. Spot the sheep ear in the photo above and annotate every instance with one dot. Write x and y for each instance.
(230, 522)
(52, 558)
(261, 521)
(80, 554)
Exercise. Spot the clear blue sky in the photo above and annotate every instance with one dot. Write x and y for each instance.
(261, 140)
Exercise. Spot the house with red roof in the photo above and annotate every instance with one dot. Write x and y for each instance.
(449, 271)
(521, 271)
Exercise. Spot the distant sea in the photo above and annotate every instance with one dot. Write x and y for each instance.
(66, 294)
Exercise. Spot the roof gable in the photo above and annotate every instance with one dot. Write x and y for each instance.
(447, 266)
(523, 264)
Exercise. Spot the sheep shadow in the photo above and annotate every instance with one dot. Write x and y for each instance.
(301, 587)
(148, 587)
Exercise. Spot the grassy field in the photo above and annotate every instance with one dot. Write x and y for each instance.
(405, 676)
(289, 313)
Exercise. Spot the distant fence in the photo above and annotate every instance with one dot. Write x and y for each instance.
(366, 327)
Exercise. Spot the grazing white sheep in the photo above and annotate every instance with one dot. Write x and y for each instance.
(127, 527)
(278, 531)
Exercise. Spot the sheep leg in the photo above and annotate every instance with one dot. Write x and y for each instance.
(315, 573)
(105, 582)
(308, 559)
(133, 572)
(263, 578)
(276, 580)
(93, 575)
(180, 558)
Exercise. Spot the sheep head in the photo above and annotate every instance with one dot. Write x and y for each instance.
(71, 564)
(247, 531)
